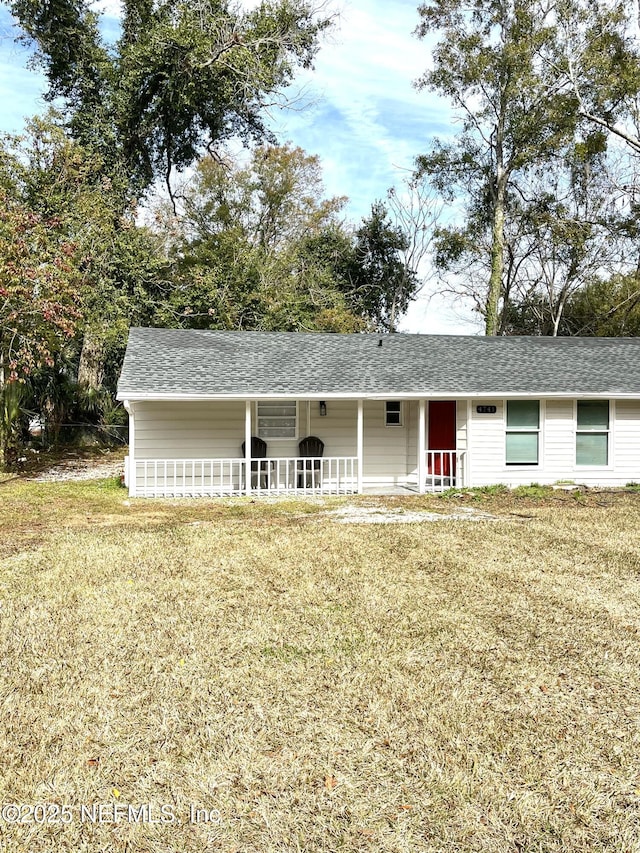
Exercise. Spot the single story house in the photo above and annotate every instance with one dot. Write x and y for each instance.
(421, 412)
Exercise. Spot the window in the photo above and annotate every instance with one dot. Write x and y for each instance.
(277, 419)
(592, 433)
(523, 429)
(393, 413)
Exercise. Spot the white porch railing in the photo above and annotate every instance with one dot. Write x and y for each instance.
(173, 478)
(330, 475)
(320, 475)
(444, 469)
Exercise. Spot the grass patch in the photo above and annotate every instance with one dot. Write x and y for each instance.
(478, 493)
(453, 686)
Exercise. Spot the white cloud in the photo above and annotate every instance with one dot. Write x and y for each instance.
(109, 8)
(369, 122)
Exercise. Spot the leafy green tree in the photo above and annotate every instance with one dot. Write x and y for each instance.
(183, 76)
(605, 308)
(562, 232)
(601, 308)
(491, 63)
(380, 284)
(40, 282)
(54, 177)
(272, 201)
(76, 273)
(249, 251)
(260, 246)
(598, 58)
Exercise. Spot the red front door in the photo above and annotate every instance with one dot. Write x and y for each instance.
(441, 435)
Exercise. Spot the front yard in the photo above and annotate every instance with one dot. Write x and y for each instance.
(257, 677)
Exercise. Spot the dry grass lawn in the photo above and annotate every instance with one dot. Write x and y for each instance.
(314, 686)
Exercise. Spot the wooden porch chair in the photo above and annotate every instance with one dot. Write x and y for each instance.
(260, 471)
(310, 449)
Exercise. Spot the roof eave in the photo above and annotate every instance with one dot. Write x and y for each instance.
(136, 397)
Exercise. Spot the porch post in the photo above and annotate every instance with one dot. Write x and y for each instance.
(360, 445)
(247, 446)
(421, 446)
(132, 449)
(467, 456)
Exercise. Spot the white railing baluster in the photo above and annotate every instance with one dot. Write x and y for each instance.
(444, 470)
(329, 475)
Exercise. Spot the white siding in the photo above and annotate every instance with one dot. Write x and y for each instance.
(385, 448)
(206, 430)
(412, 441)
(195, 430)
(557, 448)
(557, 436)
(485, 453)
(626, 441)
(389, 452)
(217, 429)
(337, 429)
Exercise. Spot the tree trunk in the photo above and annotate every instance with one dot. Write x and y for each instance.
(392, 312)
(3, 431)
(497, 256)
(92, 361)
(11, 393)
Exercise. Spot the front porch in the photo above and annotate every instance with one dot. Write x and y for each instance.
(277, 476)
(338, 446)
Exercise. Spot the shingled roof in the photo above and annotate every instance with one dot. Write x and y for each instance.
(175, 363)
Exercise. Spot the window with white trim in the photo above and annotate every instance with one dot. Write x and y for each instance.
(393, 413)
(277, 419)
(592, 432)
(523, 432)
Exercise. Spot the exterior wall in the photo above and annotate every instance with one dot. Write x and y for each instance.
(337, 428)
(212, 430)
(411, 408)
(206, 430)
(557, 450)
(385, 447)
(626, 441)
(485, 451)
(175, 430)
(217, 429)
(387, 454)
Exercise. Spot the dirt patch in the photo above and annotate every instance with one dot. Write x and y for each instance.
(388, 515)
(80, 467)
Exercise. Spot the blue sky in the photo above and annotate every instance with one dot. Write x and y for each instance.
(362, 115)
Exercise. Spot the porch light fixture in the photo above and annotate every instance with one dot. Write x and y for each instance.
(323, 409)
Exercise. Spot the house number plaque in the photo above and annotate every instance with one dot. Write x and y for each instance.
(486, 410)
